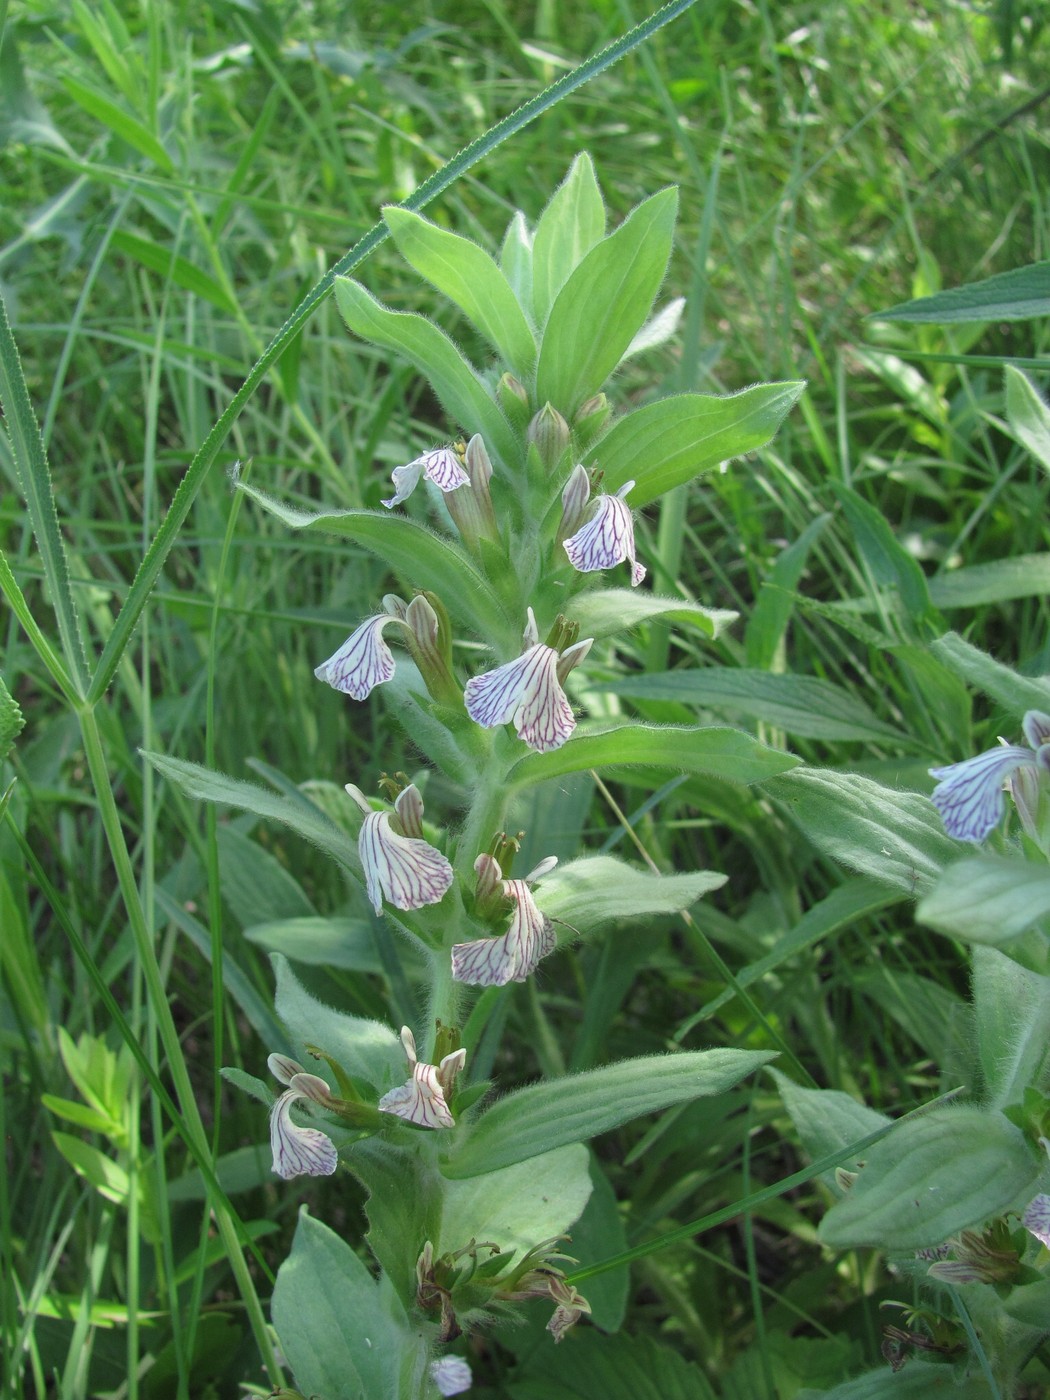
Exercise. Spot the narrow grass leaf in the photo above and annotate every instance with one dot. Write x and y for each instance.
(603, 305)
(931, 1177)
(469, 405)
(535, 1120)
(570, 226)
(987, 899)
(670, 442)
(602, 612)
(891, 565)
(1021, 294)
(772, 611)
(464, 272)
(168, 264)
(1027, 414)
(119, 122)
(998, 581)
(801, 705)
(720, 752)
(1014, 692)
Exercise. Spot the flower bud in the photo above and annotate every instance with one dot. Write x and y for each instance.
(409, 808)
(471, 507)
(574, 500)
(591, 417)
(549, 434)
(514, 401)
(430, 642)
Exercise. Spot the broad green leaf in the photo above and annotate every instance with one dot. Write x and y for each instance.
(598, 1234)
(343, 1340)
(895, 837)
(12, 721)
(1014, 692)
(366, 1049)
(255, 885)
(891, 565)
(535, 1120)
(934, 1175)
(518, 1206)
(169, 264)
(405, 1198)
(769, 618)
(594, 1367)
(987, 899)
(1021, 294)
(85, 1117)
(801, 705)
(722, 753)
(603, 304)
(1027, 413)
(602, 612)
(108, 1178)
(827, 1120)
(318, 942)
(569, 227)
(595, 889)
(243, 1169)
(424, 559)
(300, 817)
(1030, 1304)
(120, 122)
(658, 330)
(998, 581)
(673, 440)
(919, 1380)
(1012, 1024)
(464, 272)
(463, 396)
(515, 258)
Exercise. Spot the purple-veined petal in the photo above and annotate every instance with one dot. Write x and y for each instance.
(1036, 728)
(441, 466)
(298, 1151)
(283, 1067)
(406, 870)
(405, 480)
(607, 538)
(451, 1375)
(1036, 1219)
(362, 662)
(527, 693)
(969, 795)
(420, 1101)
(493, 962)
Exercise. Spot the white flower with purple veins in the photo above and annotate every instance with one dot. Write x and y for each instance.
(442, 466)
(451, 1375)
(528, 693)
(363, 661)
(299, 1151)
(1036, 1219)
(424, 1099)
(398, 864)
(969, 795)
(493, 962)
(608, 537)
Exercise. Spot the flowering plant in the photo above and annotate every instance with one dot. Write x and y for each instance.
(485, 656)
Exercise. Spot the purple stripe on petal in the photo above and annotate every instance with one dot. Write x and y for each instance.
(362, 662)
(444, 469)
(420, 1101)
(969, 796)
(406, 870)
(1036, 1219)
(493, 962)
(298, 1151)
(606, 540)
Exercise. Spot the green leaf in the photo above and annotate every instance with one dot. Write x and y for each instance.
(598, 1234)
(535, 1120)
(998, 581)
(515, 258)
(518, 1206)
(255, 885)
(602, 612)
(1021, 294)
(596, 889)
(12, 721)
(424, 559)
(603, 304)
(594, 1367)
(1014, 692)
(572, 223)
(120, 122)
(108, 1178)
(934, 1175)
(341, 1338)
(891, 565)
(670, 442)
(827, 1120)
(1027, 413)
(895, 837)
(801, 705)
(367, 1050)
(772, 611)
(318, 942)
(465, 273)
(300, 817)
(167, 263)
(987, 899)
(722, 753)
(463, 396)
(919, 1380)
(1012, 1025)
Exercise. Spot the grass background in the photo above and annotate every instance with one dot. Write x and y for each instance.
(173, 179)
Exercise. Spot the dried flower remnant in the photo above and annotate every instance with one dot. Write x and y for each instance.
(493, 962)
(608, 537)
(969, 795)
(442, 466)
(298, 1151)
(398, 864)
(423, 1100)
(527, 692)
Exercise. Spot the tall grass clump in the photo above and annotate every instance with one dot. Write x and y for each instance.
(663, 1010)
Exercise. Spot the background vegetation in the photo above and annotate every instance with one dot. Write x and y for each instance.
(173, 178)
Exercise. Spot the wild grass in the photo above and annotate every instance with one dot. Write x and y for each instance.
(173, 178)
